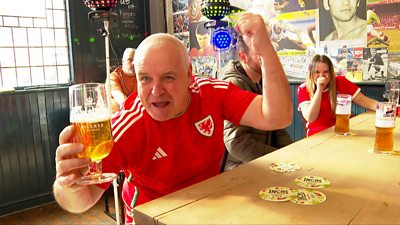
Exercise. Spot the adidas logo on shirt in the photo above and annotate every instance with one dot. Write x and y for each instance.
(159, 154)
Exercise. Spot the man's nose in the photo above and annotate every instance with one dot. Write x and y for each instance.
(158, 88)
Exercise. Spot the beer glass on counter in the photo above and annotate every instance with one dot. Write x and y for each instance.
(343, 111)
(90, 114)
(385, 122)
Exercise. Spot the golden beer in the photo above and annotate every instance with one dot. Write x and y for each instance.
(343, 111)
(342, 125)
(384, 139)
(95, 133)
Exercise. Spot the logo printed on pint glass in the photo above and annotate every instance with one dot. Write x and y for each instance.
(205, 126)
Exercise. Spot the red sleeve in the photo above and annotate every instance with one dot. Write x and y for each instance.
(344, 86)
(302, 94)
(236, 102)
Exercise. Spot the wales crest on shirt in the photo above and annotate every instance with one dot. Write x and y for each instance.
(205, 126)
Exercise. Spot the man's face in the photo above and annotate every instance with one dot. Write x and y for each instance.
(127, 64)
(203, 40)
(253, 63)
(163, 81)
(343, 10)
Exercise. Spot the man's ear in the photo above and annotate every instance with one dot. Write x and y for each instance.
(242, 57)
(326, 5)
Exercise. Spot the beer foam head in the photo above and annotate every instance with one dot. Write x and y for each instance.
(90, 117)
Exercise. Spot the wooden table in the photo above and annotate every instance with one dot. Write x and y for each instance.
(365, 187)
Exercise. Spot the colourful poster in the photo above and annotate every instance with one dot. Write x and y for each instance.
(383, 21)
(375, 64)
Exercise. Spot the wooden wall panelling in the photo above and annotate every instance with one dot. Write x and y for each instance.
(30, 123)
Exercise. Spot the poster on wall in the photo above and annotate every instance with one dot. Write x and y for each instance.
(295, 66)
(342, 24)
(291, 26)
(394, 65)
(383, 27)
(349, 63)
(202, 54)
(299, 29)
(375, 64)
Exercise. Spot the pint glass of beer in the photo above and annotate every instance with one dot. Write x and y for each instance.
(90, 114)
(385, 122)
(343, 111)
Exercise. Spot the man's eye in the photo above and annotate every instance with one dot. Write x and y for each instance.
(169, 78)
(144, 79)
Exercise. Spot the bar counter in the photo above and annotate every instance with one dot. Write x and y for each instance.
(365, 186)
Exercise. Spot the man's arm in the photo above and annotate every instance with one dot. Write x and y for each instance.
(70, 196)
(274, 107)
(116, 89)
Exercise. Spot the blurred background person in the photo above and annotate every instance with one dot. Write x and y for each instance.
(244, 143)
(123, 80)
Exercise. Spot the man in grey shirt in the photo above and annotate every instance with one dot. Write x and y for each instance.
(245, 143)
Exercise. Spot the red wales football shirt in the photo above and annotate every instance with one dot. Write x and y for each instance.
(166, 156)
(325, 117)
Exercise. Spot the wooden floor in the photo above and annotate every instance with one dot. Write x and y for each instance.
(53, 214)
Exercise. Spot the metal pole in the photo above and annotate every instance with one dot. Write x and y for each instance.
(116, 202)
(107, 43)
(108, 90)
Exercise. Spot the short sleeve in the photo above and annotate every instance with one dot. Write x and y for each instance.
(236, 102)
(302, 95)
(344, 86)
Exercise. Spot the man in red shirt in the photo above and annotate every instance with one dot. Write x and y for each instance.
(170, 134)
(123, 80)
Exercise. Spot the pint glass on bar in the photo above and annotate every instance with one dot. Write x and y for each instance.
(90, 114)
(343, 111)
(385, 122)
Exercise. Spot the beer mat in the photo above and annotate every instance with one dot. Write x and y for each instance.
(314, 182)
(277, 194)
(284, 167)
(308, 197)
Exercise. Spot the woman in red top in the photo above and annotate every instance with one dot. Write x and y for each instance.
(317, 96)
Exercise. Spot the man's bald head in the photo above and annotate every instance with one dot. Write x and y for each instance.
(159, 42)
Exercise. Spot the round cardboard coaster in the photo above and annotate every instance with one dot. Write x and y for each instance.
(277, 194)
(309, 197)
(314, 182)
(284, 167)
